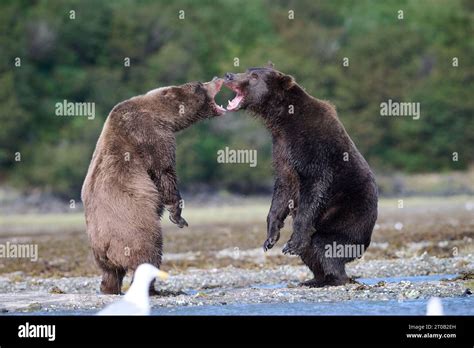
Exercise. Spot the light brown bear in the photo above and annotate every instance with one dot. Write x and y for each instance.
(132, 177)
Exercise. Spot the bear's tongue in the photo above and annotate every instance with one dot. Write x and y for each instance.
(234, 103)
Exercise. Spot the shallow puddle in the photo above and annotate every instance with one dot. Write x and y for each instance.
(412, 279)
(451, 305)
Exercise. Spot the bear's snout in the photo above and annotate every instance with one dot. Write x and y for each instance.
(229, 77)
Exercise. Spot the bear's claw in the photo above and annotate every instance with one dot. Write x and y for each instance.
(178, 220)
(293, 248)
(269, 243)
(287, 249)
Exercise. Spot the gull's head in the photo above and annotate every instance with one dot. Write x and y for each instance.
(145, 273)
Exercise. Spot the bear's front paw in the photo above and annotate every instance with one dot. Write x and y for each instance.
(295, 246)
(270, 242)
(178, 220)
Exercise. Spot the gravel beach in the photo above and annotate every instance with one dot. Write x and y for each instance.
(231, 285)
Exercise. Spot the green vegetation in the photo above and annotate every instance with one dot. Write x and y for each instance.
(82, 59)
(248, 211)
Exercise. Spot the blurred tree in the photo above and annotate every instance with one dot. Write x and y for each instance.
(83, 59)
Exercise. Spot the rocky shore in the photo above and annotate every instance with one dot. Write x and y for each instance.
(377, 280)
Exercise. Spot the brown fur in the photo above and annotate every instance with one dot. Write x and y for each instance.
(132, 178)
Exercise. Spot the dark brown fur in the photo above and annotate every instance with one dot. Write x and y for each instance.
(330, 199)
(132, 177)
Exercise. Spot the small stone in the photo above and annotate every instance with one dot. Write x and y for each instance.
(201, 294)
(35, 306)
(56, 290)
(412, 294)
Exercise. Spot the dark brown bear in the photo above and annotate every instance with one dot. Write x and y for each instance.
(132, 177)
(322, 180)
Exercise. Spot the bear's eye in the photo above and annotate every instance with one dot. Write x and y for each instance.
(254, 76)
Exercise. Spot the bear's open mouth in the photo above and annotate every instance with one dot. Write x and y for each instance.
(213, 87)
(218, 108)
(235, 103)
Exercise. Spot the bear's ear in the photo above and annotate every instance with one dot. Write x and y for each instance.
(168, 92)
(175, 92)
(270, 65)
(287, 81)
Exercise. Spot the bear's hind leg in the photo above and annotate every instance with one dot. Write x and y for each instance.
(112, 281)
(311, 260)
(334, 266)
(152, 291)
(327, 270)
(335, 272)
(156, 261)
